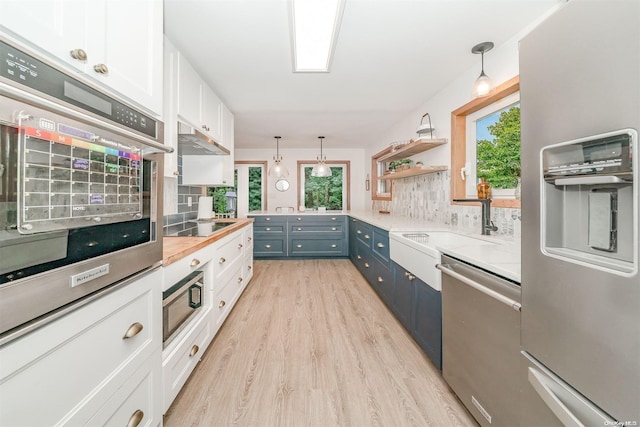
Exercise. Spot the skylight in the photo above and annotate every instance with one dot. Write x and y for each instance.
(314, 30)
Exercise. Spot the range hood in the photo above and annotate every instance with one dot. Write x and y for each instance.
(193, 142)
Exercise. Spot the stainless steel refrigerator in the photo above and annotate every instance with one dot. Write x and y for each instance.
(580, 104)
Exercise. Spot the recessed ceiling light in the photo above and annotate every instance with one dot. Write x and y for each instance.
(314, 26)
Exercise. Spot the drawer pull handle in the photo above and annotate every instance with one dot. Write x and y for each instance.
(333, 228)
(78, 54)
(299, 219)
(380, 279)
(334, 246)
(136, 418)
(366, 236)
(194, 350)
(409, 276)
(267, 219)
(359, 231)
(267, 246)
(222, 304)
(366, 264)
(101, 69)
(249, 267)
(267, 229)
(358, 256)
(333, 218)
(299, 228)
(222, 260)
(380, 245)
(249, 239)
(240, 246)
(133, 330)
(298, 246)
(239, 279)
(195, 262)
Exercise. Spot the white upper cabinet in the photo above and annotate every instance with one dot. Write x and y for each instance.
(116, 43)
(211, 112)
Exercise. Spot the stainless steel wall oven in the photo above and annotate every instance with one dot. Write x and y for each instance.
(80, 191)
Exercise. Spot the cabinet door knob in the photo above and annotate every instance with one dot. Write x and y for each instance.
(101, 69)
(195, 262)
(267, 246)
(78, 54)
(380, 245)
(194, 350)
(136, 418)
(222, 260)
(334, 246)
(267, 229)
(380, 279)
(240, 246)
(222, 304)
(333, 228)
(239, 279)
(366, 264)
(133, 330)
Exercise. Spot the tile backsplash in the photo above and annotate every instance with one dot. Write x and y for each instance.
(175, 223)
(427, 197)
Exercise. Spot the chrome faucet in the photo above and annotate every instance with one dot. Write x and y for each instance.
(487, 225)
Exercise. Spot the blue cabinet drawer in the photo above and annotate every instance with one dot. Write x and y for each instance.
(269, 228)
(269, 247)
(364, 233)
(265, 220)
(383, 281)
(316, 219)
(380, 244)
(319, 228)
(317, 246)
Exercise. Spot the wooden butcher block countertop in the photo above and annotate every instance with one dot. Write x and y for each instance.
(176, 248)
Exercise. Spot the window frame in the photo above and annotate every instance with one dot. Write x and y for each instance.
(347, 180)
(376, 167)
(265, 173)
(459, 141)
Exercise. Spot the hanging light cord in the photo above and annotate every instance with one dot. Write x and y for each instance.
(277, 157)
(321, 158)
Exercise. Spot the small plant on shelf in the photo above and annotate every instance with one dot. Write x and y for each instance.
(399, 165)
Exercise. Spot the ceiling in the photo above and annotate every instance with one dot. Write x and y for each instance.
(391, 56)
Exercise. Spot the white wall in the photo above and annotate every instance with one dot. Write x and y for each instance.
(359, 169)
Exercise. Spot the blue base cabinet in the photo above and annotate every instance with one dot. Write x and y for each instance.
(426, 324)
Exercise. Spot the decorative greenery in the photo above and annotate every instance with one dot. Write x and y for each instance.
(323, 191)
(394, 164)
(218, 194)
(255, 188)
(499, 160)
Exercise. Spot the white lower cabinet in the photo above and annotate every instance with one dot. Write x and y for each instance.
(68, 371)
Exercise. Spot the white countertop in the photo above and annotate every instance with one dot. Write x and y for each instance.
(502, 258)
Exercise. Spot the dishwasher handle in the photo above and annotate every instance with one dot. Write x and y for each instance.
(446, 269)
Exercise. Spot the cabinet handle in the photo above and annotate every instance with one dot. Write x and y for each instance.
(101, 69)
(240, 246)
(205, 127)
(359, 231)
(133, 330)
(380, 279)
(299, 228)
(249, 267)
(333, 228)
(194, 350)
(222, 260)
(195, 262)
(354, 220)
(298, 246)
(358, 256)
(267, 246)
(136, 418)
(366, 236)
(176, 173)
(380, 245)
(366, 264)
(299, 219)
(409, 275)
(249, 239)
(267, 219)
(239, 279)
(267, 229)
(333, 218)
(78, 54)
(222, 304)
(334, 246)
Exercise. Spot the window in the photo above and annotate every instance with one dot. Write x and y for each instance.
(381, 189)
(459, 140)
(219, 196)
(493, 147)
(331, 192)
(251, 186)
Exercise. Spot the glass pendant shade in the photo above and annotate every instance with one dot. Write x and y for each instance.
(320, 169)
(277, 170)
(482, 86)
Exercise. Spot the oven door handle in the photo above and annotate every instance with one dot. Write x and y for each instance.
(195, 291)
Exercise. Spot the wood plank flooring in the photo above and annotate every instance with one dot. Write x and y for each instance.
(310, 344)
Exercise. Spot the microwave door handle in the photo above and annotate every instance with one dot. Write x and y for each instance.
(195, 290)
(590, 180)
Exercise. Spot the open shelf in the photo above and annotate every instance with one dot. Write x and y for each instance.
(420, 170)
(414, 147)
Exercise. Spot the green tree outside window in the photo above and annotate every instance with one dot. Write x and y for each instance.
(323, 191)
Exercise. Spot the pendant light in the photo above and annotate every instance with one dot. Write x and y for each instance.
(278, 170)
(483, 84)
(320, 169)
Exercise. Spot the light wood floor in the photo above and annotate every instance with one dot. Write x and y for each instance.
(310, 344)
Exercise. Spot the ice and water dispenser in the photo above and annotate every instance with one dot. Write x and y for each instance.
(590, 201)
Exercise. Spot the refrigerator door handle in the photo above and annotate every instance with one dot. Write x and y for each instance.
(553, 402)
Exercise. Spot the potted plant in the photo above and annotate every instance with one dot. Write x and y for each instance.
(398, 165)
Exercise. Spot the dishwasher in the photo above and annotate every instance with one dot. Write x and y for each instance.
(481, 341)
